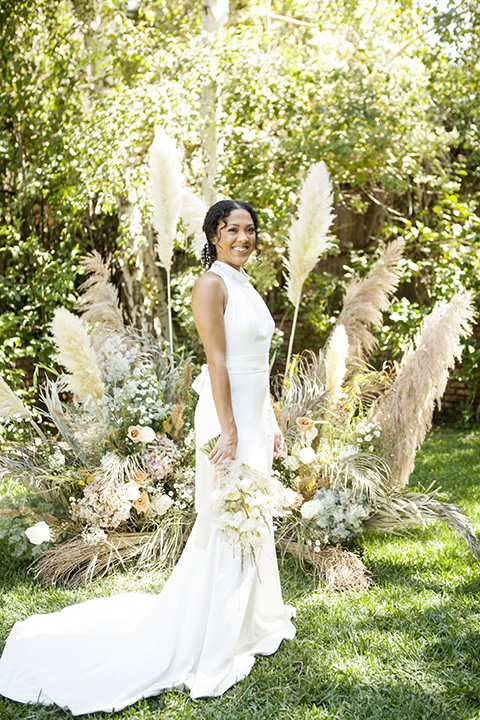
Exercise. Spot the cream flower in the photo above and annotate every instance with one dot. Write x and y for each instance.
(139, 433)
(161, 503)
(306, 455)
(291, 462)
(132, 491)
(309, 509)
(38, 533)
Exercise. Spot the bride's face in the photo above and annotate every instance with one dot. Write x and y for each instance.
(235, 239)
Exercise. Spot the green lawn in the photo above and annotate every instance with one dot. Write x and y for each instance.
(408, 648)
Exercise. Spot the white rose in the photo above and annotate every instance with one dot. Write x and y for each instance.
(292, 462)
(147, 434)
(132, 491)
(306, 455)
(309, 509)
(161, 504)
(38, 533)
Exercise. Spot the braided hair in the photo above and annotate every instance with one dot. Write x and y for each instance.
(218, 214)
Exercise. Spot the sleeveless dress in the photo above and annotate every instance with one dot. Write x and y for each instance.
(216, 610)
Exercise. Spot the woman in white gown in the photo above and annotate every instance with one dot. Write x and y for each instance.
(217, 610)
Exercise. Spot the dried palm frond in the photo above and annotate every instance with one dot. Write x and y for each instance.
(75, 353)
(366, 299)
(192, 212)
(308, 236)
(304, 395)
(336, 363)
(402, 510)
(339, 570)
(364, 473)
(405, 410)
(99, 301)
(117, 468)
(50, 396)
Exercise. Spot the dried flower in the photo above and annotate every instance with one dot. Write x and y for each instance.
(304, 424)
(10, 404)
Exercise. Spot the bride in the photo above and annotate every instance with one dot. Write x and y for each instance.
(217, 609)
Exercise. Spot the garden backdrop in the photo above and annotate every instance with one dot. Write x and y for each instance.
(254, 95)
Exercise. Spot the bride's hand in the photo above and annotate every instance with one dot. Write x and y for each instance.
(224, 450)
(278, 442)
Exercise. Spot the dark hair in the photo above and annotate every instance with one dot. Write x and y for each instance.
(217, 214)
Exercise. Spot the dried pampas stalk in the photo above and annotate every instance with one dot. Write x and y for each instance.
(405, 411)
(308, 236)
(99, 301)
(75, 353)
(336, 363)
(167, 187)
(193, 212)
(366, 299)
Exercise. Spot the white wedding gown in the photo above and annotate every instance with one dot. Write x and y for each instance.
(214, 613)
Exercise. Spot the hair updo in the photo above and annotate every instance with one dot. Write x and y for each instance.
(217, 214)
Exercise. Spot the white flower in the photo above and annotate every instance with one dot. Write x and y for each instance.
(291, 462)
(132, 491)
(38, 533)
(306, 455)
(311, 434)
(309, 509)
(161, 503)
(147, 434)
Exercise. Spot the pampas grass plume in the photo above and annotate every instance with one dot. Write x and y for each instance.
(10, 404)
(405, 411)
(336, 362)
(167, 185)
(192, 212)
(308, 233)
(75, 353)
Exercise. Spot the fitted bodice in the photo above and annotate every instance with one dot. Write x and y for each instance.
(248, 323)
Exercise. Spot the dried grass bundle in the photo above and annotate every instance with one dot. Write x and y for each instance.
(11, 405)
(99, 302)
(339, 570)
(75, 353)
(81, 559)
(336, 363)
(405, 411)
(167, 189)
(366, 300)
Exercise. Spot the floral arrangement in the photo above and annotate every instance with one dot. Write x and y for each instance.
(108, 473)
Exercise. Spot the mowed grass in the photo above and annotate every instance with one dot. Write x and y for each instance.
(408, 648)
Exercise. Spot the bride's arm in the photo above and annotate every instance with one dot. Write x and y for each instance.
(209, 299)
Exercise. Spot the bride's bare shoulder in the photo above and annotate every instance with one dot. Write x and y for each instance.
(209, 285)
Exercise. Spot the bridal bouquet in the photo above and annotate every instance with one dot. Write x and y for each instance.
(245, 502)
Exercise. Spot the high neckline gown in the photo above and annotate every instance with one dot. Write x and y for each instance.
(216, 610)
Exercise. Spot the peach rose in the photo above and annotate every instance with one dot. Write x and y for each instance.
(139, 476)
(134, 433)
(304, 424)
(142, 504)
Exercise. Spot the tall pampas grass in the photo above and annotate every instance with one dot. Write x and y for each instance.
(366, 299)
(308, 239)
(99, 301)
(167, 188)
(193, 211)
(336, 363)
(75, 353)
(405, 411)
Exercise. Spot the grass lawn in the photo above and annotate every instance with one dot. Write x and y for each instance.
(408, 648)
